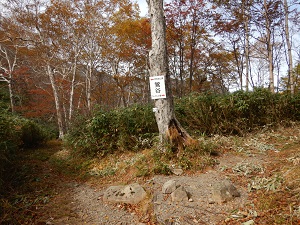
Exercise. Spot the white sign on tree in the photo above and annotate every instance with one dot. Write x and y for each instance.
(157, 87)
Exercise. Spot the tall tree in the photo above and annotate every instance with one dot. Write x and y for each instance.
(246, 22)
(121, 50)
(269, 44)
(93, 26)
(187, 29)
(233, 22)
(176, 20)
(12, 44)
(169, 127)
(291, 84)
(8, 63)
(268, 16)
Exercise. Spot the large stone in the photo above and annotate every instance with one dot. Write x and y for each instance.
(177, 171)
(179, 195)
(131, 194)
(224, 192)
(169, 187)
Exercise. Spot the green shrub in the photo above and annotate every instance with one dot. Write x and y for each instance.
(33, 134)
(9, 141)
(107, 131)
(134, 128)
(236, 113)
(162, 168)
(4, 97)
(16, 133)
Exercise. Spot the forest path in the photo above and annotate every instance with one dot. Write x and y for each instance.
(46, 188)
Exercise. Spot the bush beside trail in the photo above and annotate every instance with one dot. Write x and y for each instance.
(134, 127)
(236, 113)
(129, 128)
(17, 133)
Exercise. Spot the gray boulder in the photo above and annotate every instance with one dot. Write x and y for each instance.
(224, 192)
(131, 194)
(179, 195)
(169, 187)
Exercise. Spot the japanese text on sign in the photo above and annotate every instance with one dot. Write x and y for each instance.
(157, 87)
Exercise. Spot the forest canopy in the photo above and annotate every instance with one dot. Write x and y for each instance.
(62, 58)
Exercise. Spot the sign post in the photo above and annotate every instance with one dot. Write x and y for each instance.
(157, 87)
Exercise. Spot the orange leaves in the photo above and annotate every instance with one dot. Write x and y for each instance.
(77, 42)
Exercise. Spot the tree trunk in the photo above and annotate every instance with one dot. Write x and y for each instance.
(247, 47)
(291, 85)
(88, 84)
(11, 61)
(11, 95)
(239, 63)
(71, 106)
(269, 47)
(170, 130)
(57, 103)
(181, 66)
(192, 49)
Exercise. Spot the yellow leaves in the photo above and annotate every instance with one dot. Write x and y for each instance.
(125, 10)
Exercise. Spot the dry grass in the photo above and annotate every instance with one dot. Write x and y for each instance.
(46, 171)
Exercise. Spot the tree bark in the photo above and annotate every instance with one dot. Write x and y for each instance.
(11, 61)
(269, 45)
(247, 43)
(88, 85)
(60, 122)
(71, 105)
(291, 85)
(170, 130)
(192, 49)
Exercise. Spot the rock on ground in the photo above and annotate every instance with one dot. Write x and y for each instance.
(196, 204)
(131, 194)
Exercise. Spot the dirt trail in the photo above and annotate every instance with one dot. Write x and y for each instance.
(45, 191)
(81, 203)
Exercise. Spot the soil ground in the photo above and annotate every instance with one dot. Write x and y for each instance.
(46, 187)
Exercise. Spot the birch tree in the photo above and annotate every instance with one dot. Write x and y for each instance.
(234, 23)
(269, 45)
(246, 22)
(8, 63)
(170, 130)
(291, 84)
(12, 43)
(268, 15)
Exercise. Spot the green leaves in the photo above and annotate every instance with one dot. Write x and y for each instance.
(123, 129)
(16, 132)
(133, 128)
(33, 134)
(236, 113)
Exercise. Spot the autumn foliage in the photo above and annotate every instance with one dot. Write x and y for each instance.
(62, 58)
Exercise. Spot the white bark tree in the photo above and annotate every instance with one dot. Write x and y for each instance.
(291, 84)
(60, 123)
(269, 45)
(8, 64)
(246, 22)
(12, 44)
(170, 130)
